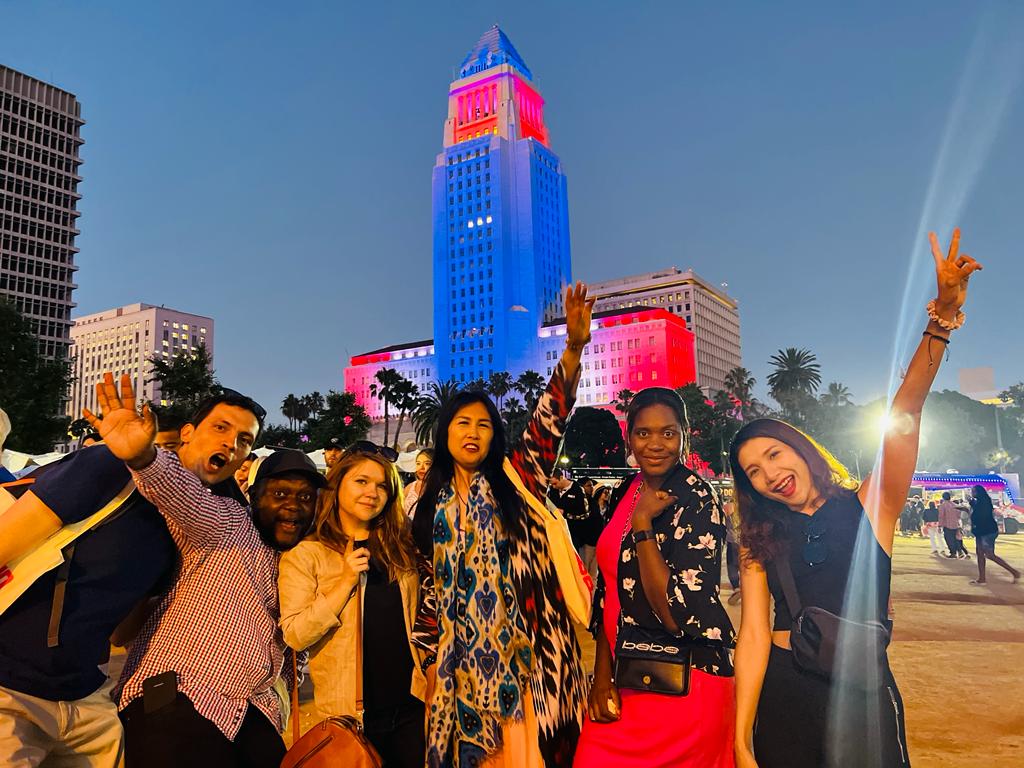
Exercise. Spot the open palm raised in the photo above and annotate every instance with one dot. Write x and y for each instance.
(128, 433)
(578, 311)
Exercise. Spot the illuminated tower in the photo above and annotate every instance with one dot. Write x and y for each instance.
(501, 220)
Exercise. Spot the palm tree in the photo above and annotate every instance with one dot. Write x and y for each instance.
(837, 395)
(530, 385)
(796, 371)
(290, 410)
(739, 383)
(515, 417)
(499, 384)
(622, 399)
(406, 397)
(383, 389)
(314, 404)
(428, 406)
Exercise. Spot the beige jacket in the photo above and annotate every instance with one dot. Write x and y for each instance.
(312, 617)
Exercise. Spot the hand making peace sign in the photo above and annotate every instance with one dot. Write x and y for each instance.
(951, 273)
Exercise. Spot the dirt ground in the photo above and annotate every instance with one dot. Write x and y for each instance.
(957, 652)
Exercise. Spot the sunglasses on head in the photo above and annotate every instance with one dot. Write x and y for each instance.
(815, 549)
(367, 446)
(256, 408)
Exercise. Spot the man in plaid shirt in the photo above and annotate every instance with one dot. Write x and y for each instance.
(197, 688)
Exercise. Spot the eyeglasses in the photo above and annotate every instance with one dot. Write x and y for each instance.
(257, 409)
(367, 446)
(815, 549)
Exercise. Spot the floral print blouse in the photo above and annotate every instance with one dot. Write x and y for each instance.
(691, 537)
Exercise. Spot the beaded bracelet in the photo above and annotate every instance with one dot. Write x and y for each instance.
(949, 325)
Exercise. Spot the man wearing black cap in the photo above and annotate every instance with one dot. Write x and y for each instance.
(198, 685)
(332, 452)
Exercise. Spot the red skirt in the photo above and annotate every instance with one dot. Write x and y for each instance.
(656, 731)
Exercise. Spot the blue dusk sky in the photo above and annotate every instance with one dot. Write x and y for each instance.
(269, 164)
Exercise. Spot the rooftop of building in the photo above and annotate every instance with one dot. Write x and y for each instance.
(641, 313)
(663, 278)
(491, 50)
(398, 348)
(130, 309)
(41, 92)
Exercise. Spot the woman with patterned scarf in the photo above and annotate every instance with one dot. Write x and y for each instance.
(510, 688)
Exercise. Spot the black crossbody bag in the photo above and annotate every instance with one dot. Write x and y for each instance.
(654, 665)
(816, 635)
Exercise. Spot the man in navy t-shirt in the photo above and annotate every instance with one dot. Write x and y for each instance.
(54, 699)
(114, 566)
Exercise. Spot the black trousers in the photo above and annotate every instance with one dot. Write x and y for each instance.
(795, 727)
(398, 735)
(953, 544)
(176, 735)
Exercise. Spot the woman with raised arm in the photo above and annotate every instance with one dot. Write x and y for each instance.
(820, 544)
(510, 685)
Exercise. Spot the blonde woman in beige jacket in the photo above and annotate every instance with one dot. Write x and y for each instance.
(361, 536)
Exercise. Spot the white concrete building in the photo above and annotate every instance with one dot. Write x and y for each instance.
(708, 310)
(122, 340)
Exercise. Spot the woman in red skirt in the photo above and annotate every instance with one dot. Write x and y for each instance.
(663, 679)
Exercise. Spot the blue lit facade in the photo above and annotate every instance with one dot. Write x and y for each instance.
(500, 220)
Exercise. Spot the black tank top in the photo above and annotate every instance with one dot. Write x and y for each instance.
(854, 557)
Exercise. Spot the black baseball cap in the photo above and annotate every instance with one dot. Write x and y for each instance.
(334, 444)
(287, 460)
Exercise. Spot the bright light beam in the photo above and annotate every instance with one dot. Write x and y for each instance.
(991, 75)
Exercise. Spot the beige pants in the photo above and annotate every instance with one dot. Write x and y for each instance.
(38, 733)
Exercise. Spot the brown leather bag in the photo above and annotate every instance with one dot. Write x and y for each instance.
(337, 742)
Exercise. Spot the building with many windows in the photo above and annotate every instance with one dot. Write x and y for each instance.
(39, 160)
(708, 310)
(500, 218)
(123, 340)
(502, 257)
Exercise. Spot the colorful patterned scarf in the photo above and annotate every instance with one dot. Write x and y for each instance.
(485, 656)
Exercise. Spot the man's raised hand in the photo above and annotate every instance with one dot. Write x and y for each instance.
(128, 433)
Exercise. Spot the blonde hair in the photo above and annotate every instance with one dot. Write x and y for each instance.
(390, 540)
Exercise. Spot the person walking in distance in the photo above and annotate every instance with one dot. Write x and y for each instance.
(932, 529)
(983, 524)
(949, 521)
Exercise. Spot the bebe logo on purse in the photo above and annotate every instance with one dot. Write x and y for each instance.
(628, 645)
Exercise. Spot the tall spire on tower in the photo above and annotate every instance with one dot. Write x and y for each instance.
(493, 48)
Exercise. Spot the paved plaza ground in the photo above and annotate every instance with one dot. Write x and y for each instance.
(957, 652)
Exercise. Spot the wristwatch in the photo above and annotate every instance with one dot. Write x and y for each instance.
(643, 535)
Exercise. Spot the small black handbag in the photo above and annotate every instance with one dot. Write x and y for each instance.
(653, 665)
(843, 650)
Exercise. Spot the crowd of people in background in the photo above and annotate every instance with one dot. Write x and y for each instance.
(433, 611)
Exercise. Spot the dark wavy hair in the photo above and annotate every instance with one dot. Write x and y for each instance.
(762, 522)
(443, 469)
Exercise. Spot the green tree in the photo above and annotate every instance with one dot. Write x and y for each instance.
(499, 385)
(476, 385)
(515, 417)
(280, 436)
(340, 417)
(384, 390)
(428, 406)
(185, 381)
(32, 387)
(740, 384)
(290, 410)
(406, 396)
(623, 398)
(836, 395)
(593, 439)
(531, 386)
(793, 383)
